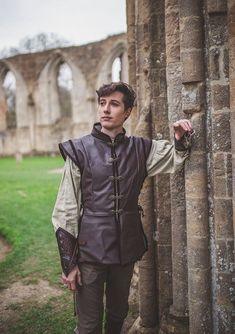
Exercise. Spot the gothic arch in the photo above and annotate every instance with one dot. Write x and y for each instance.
(105, 72)
(47, 90)
(21, 96)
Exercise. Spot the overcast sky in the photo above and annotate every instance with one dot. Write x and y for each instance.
(79, 21)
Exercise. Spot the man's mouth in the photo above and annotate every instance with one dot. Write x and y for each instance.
(106, 118)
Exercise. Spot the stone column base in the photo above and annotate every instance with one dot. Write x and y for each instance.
(138, 329)
(171, 324)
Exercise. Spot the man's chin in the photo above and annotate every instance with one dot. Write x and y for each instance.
(107, 125)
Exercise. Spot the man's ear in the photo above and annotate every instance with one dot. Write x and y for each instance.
(127, 112)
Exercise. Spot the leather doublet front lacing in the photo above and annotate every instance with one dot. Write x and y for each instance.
(112, 174)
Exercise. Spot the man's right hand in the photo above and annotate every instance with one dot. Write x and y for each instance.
(73, 279)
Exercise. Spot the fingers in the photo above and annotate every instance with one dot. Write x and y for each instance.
(79, 277)
(63, 278)
(183, 124)
(73, 279)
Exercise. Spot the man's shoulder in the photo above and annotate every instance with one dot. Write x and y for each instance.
(139, 139)
(143, 144)
(76, 141)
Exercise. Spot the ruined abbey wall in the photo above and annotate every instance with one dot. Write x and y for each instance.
(181, 59)
(182, 63)
(39, 124)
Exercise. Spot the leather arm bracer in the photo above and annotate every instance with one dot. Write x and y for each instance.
(68, 249)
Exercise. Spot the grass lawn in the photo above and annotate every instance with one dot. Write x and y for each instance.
(27, 195)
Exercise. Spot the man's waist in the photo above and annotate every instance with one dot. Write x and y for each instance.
(110, 212)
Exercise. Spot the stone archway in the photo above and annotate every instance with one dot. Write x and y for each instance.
(49, 119)
(39, 119)
(118, 51)
(14, 139)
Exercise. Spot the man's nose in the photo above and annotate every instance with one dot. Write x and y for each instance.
(106, 108)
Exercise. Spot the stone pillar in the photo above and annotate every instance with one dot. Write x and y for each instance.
(152, 107)
(231, 33)
(3, 108)
(32, 122)
(231, 44)
(179, 308)
(131, 52)
(147, 282)
(193, 103)
(220, 171)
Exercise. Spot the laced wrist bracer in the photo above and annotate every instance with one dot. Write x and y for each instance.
(68, 249)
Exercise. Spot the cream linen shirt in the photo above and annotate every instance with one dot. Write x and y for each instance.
(163, 158)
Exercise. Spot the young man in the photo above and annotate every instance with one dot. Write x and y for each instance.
(97, 215)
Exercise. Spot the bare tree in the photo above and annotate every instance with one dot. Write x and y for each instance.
(37, 43)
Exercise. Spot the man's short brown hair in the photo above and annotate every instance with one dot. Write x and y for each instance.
(129, 95)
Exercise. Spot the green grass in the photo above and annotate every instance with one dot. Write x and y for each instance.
(27, 196)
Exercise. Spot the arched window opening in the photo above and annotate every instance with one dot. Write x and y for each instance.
(9, 88)
(65, 85)
(117, 69)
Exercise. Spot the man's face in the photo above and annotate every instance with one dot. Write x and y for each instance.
(112, 113)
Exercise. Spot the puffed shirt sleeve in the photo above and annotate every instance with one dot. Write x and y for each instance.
(165, 157)
(66, 211)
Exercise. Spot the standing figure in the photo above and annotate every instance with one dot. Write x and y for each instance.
(97, 217)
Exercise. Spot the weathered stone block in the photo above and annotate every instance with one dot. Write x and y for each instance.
(165, 288)
(199, 285)
(172, 49)
(219, 164)
(220, 96)
(199, 301)
(214, 64)
(192, 62)
(216, 6)
(191, 33)
(224, 283)
(192, 97)
(222, 263)
(229, 175)
(221, 136)
(218, 29)
(171, 6)
(157, 27)
(226, 62)
(190, 8)
(231, 28)
(200, 317)
(196, 176)
(142, 36)
(220, 187)
(197, 215)
(178, 189)
(164, 257)
(172, 23)
(198, 254)
(223, 218)
(230, 255)
(163, 231)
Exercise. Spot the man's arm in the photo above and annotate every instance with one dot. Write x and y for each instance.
(165, 157)
(65, 219)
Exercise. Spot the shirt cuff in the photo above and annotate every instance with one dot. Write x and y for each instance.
(185, 142)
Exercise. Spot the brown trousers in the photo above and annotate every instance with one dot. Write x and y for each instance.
(99, 281)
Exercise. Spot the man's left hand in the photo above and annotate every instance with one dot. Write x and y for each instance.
(181, 127)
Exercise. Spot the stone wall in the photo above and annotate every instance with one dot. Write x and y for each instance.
(39, 123)
(181, 61)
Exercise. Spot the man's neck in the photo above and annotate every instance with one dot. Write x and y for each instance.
(112, 133)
